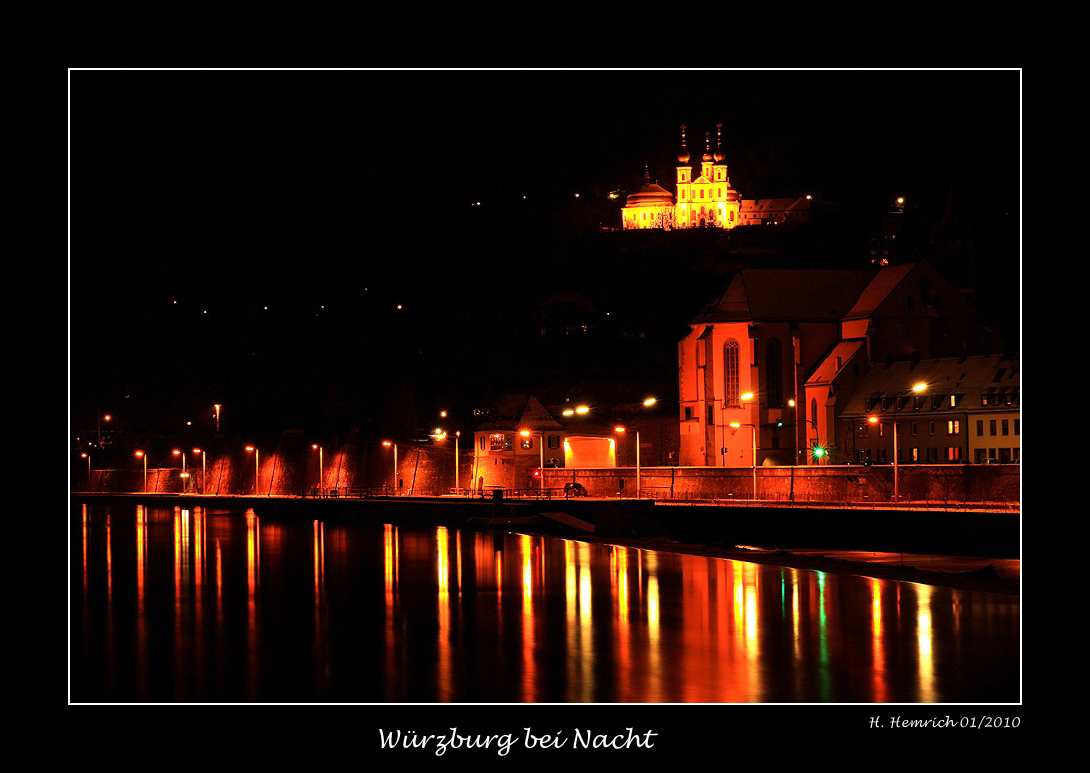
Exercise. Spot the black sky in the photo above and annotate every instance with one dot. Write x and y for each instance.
(228, 190)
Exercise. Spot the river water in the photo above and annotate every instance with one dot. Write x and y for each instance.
(195, 605)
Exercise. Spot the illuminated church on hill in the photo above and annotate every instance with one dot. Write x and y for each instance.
(706, 201)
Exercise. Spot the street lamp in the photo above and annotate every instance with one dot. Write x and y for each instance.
(541, 449)
(185, 475)
(391, 444)
(457, 469)
(145, 457)
(753, 428)
(88, 457)
(621, 431)
(917, 388)
(204, 469)
(321, 476)
(257, 466)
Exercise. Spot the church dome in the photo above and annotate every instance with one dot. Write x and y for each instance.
(649, 195)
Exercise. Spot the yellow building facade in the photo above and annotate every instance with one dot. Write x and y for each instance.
(704, 201)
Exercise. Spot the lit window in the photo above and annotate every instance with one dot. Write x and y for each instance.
(953, 427)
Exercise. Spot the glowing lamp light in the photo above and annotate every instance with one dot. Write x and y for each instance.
(582, 409)
(618, 429)
(386, 444)
(650, 401)
(569, 411)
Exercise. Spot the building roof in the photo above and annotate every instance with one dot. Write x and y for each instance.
(518, 412)
(838, 358)
(775, 205)
(757, 295)
(878, 290)
(971, 377)
(651, 194)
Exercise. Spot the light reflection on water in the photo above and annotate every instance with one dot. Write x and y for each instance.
(207, 606)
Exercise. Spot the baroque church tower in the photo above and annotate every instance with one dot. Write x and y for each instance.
(706, 201)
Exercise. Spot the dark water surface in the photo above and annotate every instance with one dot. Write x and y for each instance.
(195, 605)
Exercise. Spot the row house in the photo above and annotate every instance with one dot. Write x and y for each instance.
(951, 410)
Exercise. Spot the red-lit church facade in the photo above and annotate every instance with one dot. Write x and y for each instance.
(767, 371)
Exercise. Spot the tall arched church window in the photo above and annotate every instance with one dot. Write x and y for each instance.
(731, 392)
(773, 373)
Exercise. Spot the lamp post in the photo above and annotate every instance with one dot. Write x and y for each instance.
(457, 469)
(620, 431)
(204, 470)
(185, 475)
(391, 444)
(917, 388)
(321, 476)
(145, 457)
(257, 466)
(101, 418)
(541, 449)
(88, 457)
(753, 429)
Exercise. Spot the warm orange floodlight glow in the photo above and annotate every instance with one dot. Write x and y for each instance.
(386, 443)
(618, 429)
(582, 409)
(569, 411)
(650, 401)
(139, 453)
(872, 419)
(747, 396)
(919, 387)
(525, 433)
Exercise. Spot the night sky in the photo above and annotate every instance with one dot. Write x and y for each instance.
(246, 237)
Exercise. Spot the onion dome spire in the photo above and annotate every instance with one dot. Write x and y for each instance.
(707, 146)
(683, 156)
(719, 155)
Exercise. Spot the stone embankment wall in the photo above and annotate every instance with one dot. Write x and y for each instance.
(842, 483)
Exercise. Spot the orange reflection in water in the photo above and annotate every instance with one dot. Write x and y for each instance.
(253, 584)
(583, 621)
